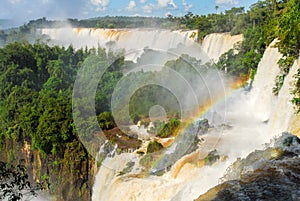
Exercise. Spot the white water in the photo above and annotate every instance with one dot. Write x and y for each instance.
(190, 181)
(186, 180)
(245, 112)
(262, 96)
(126, 38)
(141, 131)
(132, 40)
(218, 43)
(247, 134)
(282, 118)
(109, 169)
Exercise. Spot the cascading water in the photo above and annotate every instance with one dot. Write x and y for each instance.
(244, 129)
(282, 118)
(269, 174)
(128, 39)
(262, 92)
(187, 180)
(218, 43)
(245, 121)
(214, 45)
(110, 167)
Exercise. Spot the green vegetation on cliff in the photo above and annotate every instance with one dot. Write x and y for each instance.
(36, 108)
(265, 21)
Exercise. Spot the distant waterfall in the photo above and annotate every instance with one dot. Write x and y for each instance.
(217, 44)
(214, 45)
(129, 39)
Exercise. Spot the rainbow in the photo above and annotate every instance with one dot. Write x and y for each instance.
(210, 103)
(205, 108)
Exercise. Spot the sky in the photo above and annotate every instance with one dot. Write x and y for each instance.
(25, 10)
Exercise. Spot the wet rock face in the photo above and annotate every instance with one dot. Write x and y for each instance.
(275, 178)
(186, 143)
(203, 126)
(279, 180)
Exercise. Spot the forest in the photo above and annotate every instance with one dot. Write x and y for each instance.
(37, 79)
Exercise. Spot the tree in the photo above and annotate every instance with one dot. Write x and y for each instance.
(14, 183)
(289, 29)
(217, 8)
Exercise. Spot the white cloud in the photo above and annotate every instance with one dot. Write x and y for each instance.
(186, 6)
(230, 2)
(101, 4)
(162, 3)
(173, 4)
(100, 9)
(131, 6)
(166, 3)
(143, 1)
(148, 8)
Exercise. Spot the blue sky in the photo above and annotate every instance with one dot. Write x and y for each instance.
(24, 10)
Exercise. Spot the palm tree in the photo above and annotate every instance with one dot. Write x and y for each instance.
(217, 7)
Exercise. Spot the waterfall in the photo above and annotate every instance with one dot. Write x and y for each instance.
(249, 116)
(217, 44)
(264, 81)
(284, 117)
(132, 40)
(110, 167)
(214, 45)
(125, 38)
(188, 178)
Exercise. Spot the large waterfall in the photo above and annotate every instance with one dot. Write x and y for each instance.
(214, 45)
(251, 115)
(123, 38)
(254, 117)
(131, 40)
(250, 119)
